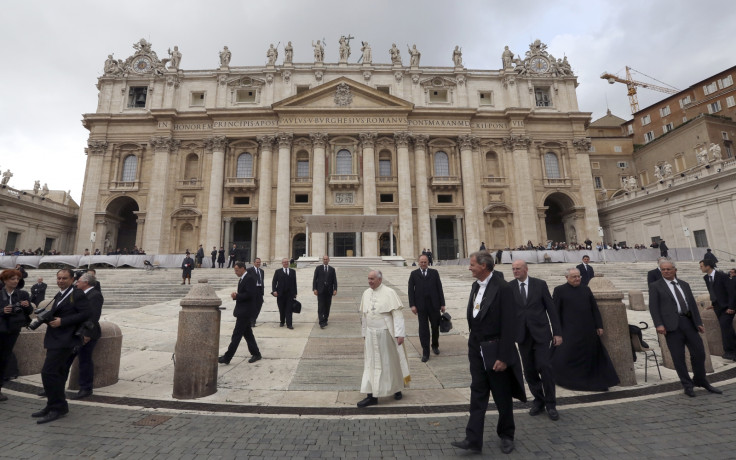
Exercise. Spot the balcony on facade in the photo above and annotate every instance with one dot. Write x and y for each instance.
(557, 182)
(346, 181)
(241, 183)
(494, 181)
(124, 186)
(386, 180)
(444, 182)
(301, 180)
(190, 184)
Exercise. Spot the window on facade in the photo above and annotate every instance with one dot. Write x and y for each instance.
(712, 88)
(630, 129)
(301, 89)
(444, 198)
(130, 167)
(645, 120)
(241, 200)
(622, 164)
(441, 164)
(191, 167)
(724, 135)
(725, 82)
(197, 99)
(438, 95)
(714, 107)
(684, 101)
(730, 102)
(245, 165)
(595, 165)
(492, 169)
(542, 98)
(684, 119)
(344, 162)
(617, 148)
(386, 197)
(486, 98)
(701, 240)
(551, 165)
(649, 137)
(664, 111)
(598, 182)
(384, 89)
(592, 148)
(668, 127)
(137, 97)
(301, 198)
(729, 149)
(302, 168)
(245, 95)
(384, 167)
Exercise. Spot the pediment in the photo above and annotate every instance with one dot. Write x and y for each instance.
(342, 93)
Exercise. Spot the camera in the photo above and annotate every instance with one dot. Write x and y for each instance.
(17, 308)
(43, 316)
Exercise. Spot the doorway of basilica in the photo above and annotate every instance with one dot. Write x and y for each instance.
(122, 223)
(344, 244)
(447, 247)
(559, 208)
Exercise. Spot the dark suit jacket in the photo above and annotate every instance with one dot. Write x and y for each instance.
(538, 313)
(720, 295)
(38, 292)
(585, 275)
(663, 306)
(653, 275)
(496, 319)
(73, 311)
(95, 301)
(498, 273)
(248, 296)
(283, 285)
(426, 291)
(324, 283)
(262, 278)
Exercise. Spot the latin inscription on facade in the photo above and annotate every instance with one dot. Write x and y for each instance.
(344, 198)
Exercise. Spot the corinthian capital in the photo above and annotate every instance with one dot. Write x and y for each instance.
(161, 142)
(402, 139)
(319, 140)
(96, 147)
(266, 141)
(467, 141)
(284, 139)
(517, 142)
(367, 140)
(420, 141)
(219, 143)
(582, 145)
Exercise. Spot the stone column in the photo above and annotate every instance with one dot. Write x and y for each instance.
(213, 232)
(283, 194)
(331, 244)
(406, 226)
(587, 189)
(434, 236)
(466, 142)
(358, 245)
(319, 142)
(228, 222)
(526, 211)
(156, 204)
(460, 241)
(253, 233)
(140, 220)
(368, 143)
(264, 198)
(91, 197)
(420, 169)
(615, 336)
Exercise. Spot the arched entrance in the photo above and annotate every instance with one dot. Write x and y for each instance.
(298, 246)
(122, 225)
(559, 210)
(385, 244)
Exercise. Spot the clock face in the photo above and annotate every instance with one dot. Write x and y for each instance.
(539, 65)
(142, 65)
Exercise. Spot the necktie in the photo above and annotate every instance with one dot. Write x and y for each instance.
(325, 268)
(424, 273)
(286, 271)
(523, 293)
(680, 298)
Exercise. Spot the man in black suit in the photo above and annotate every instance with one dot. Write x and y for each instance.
(213, 255)
(96, 285)
(324, 285)
(70, 309)
(655, 274)
(92, 332)
(536, 312)
(283, 287)
(247, 298)
(427, 300)
(722, 302)
(586, 271)
(491, 320)
(676, 316)
(663, 249)
(38, 291)
(232, 253)
(260, 276)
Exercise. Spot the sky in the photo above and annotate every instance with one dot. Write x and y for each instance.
(53, 52)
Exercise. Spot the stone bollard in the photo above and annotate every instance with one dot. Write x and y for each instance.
(616, 336)
(29, 349)
(197, 343)
(711, 324)
(105, 358)
(667, 356)
(636, 300)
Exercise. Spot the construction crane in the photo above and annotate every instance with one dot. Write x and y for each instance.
(631, 84)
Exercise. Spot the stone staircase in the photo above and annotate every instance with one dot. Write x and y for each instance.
(360, 262)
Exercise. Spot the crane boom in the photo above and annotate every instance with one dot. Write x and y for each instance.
(631, 85)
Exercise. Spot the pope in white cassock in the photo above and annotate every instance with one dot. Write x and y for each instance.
(385, 369)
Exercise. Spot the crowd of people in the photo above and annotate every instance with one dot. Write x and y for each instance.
(29, 252)
(550, 245)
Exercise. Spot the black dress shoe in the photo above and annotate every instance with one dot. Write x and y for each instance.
(712, 389)
(425, 358)
(42, 393)
(436, 350)
(253, 324)
(290, 327)
(42, 413)
(51, 416)
(536, 409)
(3, 397)
(223, 360)
(507, 445)
(465, 444)
(729, 355)
(281, 324)
(82, 394)
(552, 413)
(321, 326)
(690, 392)
(398, 396)
(254, 358)
(368, 401)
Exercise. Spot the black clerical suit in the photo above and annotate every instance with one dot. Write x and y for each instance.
(586, 273)
(285, 286)
(654, 275)
(425, 293)
(86, 366)
(325, 283)
(38, 293)
(534, 338)
(213, 255)
(722, 300)
(61, 343)
(681, 327)
(260, 277)
(247, 299)
(495, 321)
(231, 257)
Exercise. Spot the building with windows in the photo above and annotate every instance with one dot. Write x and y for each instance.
(447, 157)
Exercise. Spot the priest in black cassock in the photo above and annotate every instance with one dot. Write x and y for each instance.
(581, 362)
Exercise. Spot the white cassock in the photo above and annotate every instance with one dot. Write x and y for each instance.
(385, 368)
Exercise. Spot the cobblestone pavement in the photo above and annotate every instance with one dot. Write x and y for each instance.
(669, 426)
